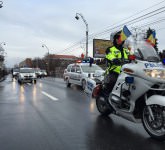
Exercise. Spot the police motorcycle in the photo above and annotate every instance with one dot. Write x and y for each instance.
(139, 93)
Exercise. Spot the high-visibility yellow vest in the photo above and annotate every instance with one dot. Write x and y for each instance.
(115, 53)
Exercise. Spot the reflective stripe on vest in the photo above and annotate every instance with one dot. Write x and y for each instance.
(115, 53)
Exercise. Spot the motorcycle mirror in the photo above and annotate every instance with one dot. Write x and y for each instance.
(131, 57)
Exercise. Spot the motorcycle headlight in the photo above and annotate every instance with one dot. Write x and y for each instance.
(155, 73)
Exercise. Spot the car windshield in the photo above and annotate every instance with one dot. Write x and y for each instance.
(15, 70)
(26, 70)
(146, 52)
(91, 69)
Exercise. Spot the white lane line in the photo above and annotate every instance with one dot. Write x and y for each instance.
(50, 96)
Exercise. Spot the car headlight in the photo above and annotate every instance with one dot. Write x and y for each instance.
(21, 76)
(155, 73)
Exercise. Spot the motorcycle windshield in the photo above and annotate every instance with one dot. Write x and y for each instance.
(145, 51)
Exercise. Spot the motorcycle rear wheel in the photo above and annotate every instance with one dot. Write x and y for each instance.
(102, 106)
(154, 127)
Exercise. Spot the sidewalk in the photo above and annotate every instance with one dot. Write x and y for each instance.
(2, 78)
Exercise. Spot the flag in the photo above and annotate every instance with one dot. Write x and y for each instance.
(151, 38)
(125, 33)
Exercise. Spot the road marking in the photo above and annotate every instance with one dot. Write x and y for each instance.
(50, 96)
(29, 83)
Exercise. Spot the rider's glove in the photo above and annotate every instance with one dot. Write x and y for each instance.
(116, 62)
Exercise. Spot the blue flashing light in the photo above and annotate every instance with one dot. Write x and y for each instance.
(163, 61)
(85, 61)
(129, 80)
(88, 60)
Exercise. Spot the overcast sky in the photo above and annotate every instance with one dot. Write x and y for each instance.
(27, 24)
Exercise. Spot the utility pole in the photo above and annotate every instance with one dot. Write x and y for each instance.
(77, 17)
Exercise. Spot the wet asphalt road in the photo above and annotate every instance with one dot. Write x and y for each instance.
(49, 116)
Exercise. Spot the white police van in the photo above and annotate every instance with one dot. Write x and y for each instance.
(80, 73)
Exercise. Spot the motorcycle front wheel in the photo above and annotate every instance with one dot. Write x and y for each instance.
(102, 106)
(154, 124)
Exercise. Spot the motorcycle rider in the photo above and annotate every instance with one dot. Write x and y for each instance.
(114, 56)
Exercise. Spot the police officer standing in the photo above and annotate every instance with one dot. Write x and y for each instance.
(114, 56)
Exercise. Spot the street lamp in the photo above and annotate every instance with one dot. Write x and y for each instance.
(3, 43)
(43, 45)
(77, 17)
(1, 48)
(1, 4)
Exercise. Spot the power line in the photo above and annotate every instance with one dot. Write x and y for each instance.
(140, 18)
(152, 23)
(135, 19)
(77, 43)
(155, 22)
(135, 14)
(160, 29)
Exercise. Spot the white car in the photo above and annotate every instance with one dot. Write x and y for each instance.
(15, 72)
(44, 73)
(80, 73)
(27, 75)
(38, 72)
